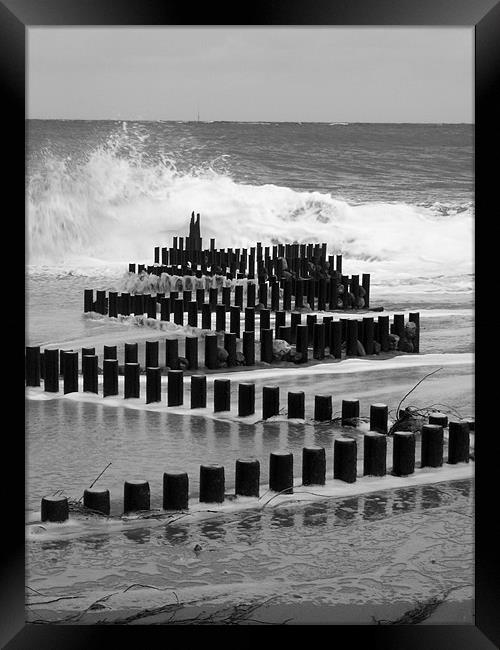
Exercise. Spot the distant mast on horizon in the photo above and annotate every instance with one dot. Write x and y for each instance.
(198, 114)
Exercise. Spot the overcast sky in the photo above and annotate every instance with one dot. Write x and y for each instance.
(317, 74)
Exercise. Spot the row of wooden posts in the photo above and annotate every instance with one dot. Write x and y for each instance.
(323, 404)
(320, 295)
(136, 494)
(243, 262)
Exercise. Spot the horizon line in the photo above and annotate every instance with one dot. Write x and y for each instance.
(135, 119)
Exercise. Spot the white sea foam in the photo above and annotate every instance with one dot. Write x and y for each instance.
(113, 209)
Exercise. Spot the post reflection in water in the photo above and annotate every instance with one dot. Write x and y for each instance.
(138, 535)
(213, 529)
(405, 500)
(374, 506)
(315, 515)
(282, 518)
(347, 510)
(248, 526)
(95, 543)
(176, 534)
(296, 434)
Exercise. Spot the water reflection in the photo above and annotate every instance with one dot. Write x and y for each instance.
(213, 529)
(176, 534)
(315, 515)
(282, 518)
(404, 500)
(95, 543)
(250, 524)
(139, 535)
(347, 510)
(431, 497)
(374, 506)
(56, 545)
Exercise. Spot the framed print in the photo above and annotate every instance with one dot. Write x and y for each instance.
(249, 355)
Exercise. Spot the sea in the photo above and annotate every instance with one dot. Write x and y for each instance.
(396, 200)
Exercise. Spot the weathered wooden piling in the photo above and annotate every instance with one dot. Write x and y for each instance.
(139, 304)
(152, 354)
(247, 477)
(279, 321)
(251, 294)
(322, 408)
(249, 348)
(287, 295)
(311, 320)
(438, 418)
(299, 294)
(266, 345)
(414, 317)
(220, 318)
(33, 365)
(302, 338)
(172, 354)
(374, 454)
(383, 332)
(352, 338)
(191, 352)
(368, 335)
(70, 372)
(212, 483)
(350, 412)
(153, 385)
(249, 319)
(458, 442)
(379, 414)
(179, 311)
(97, 499)
(165, 309)
(345, 459)
(230, 347)
(403, 453)
(263, 294)
(275, 296)
(213, 297)
(318, 341)
(200, 298)
(246, 399)
(206, 316)
(89, 370)
(54, 508)
(136, 496)
(399, 325)
(100, 302)
(270, 401)
(88, 300)
(336, 339)
(222, 395)
(110, 377)
(175, 491)
(132, 386)
(198, 391)
(264, 319)
(193, 313)
(131, 353)
(295, 320)
(110, 352)
(281, 472)
(313, 466)
(431, 451)
(238, 296)
(285, 333)
(211, 358)
(175, 388)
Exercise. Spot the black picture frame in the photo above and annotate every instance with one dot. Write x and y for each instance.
(484, 15)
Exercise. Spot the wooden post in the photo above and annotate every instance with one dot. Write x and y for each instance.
(275, 296)
(322, 408)
(211, 357)
(175, 388)
(131, 353)
(302, 337)
(33, 365)
(249, 347)
(88, 300)
(54, 509)
(250, 294)
(285, 333)
(246, 399)
(193, 313)
(281, 472)
(399, 325)
(220, 318)
(270, 401)
(352, 338)
(191, 352)
(230, 347)
(247, 476)
(336, 339)
(136, 496)
(296, 402)
(213, 297)
(151, 360)
(318, 341)
(238, 296)
(198, 391)
(222, 395)
(264, 319)
(175, 491)
(295, 319)
(132, 384)
(266, 345)
(345, 459)
(438, 418)
(299, 294)
(374, 454)
(368, 335)
(70, 372)
(365, 283)
(350, 412)
(379, 414)
(313, 466)
(403, 453)
(431, 452)
(414, 317)
(234, 320)
(206, 317)
(110, 352)
(212, 483)
(165, 309)
(249, 319)
(458, 442)
(179, 311)
(153, 385)
(311, 319)
(172, 354)
(110, 377)
(287, 295)
(97, 500)
(383, 332)
(89, 369)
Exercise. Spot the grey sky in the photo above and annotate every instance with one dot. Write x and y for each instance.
(325, 74)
